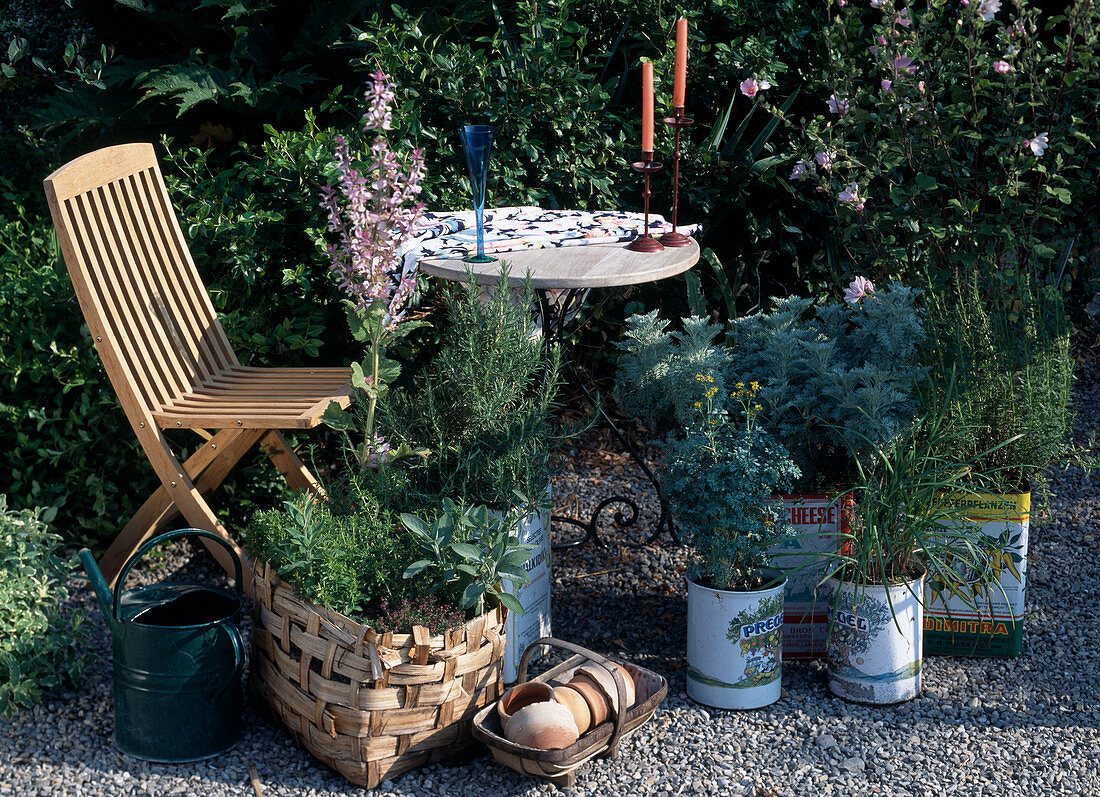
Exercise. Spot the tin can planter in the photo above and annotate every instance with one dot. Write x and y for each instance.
(874, 650)
(983, 616)
(735, 644)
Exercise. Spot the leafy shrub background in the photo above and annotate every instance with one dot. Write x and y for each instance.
(38, 645)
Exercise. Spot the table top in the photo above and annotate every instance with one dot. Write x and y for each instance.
(593, 266)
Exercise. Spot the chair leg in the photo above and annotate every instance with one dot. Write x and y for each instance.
(297, 475)
(207, 468)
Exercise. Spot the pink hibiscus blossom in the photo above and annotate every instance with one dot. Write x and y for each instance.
(1002, 67)
(750, 86)
(837, 105)
(989, 8)
(851, 196)
(903, 65)
(904, 19)
(825, 159)
(859, 288)
(1038, 145)
(886, 84)
(800, 170)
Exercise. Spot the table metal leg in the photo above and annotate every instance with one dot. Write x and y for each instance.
(555, 314)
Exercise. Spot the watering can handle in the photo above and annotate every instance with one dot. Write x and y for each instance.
(238, 645)
(171, 535)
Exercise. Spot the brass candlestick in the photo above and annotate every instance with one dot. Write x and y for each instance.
(646, 166)
(676, 122)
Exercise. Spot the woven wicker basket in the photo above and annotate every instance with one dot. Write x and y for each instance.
(369, 705)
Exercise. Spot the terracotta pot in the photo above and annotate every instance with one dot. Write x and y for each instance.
(520, 696)
(598, 704)
(577, 705)
(606, 681)
(630, 691)
(544, 726)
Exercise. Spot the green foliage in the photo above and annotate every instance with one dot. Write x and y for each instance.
(470, 551)
(723, 475)
(941, 154)
(257, 235)
(901, 523)
(480, 408)
(211, 69)
(723, 467)
(533, 76)
(38, 644)
(1012, 370)
(346, 560)
(832, 377)
(66, 441)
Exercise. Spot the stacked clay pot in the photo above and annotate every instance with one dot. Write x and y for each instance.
(547, 717)
(532, 716)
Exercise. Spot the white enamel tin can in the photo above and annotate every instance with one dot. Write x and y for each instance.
(735, 645)
(875, 643)
(523, 629)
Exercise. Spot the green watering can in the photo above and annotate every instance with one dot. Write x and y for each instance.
(178, 656)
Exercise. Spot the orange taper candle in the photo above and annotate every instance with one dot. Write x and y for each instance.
(679, 81)
(647, 107)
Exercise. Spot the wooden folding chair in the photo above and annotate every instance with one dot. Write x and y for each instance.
(164, 350)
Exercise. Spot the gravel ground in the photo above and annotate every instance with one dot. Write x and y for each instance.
(1027, 726)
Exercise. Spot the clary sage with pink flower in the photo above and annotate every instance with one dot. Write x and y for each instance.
(372, 211)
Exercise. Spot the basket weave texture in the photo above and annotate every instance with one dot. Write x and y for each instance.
(370, 705)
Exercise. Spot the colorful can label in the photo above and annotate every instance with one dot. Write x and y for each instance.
(817, 519)
(994, 626)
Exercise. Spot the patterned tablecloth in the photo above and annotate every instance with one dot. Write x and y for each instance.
(515, 228)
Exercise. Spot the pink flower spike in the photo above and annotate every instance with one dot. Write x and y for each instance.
(1002, 67)
(859, 288)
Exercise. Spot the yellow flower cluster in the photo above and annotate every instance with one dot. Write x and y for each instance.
(745, 392)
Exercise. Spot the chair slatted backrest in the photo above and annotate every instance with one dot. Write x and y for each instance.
(137, 285)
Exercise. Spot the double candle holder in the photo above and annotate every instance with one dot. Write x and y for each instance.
(647, 166)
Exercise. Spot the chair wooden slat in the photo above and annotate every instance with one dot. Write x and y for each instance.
(212, 341)
(164, 349)
(187, 324)
(155, 360)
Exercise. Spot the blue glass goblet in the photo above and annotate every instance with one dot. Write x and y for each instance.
(477, 141)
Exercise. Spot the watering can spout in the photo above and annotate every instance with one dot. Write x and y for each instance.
(99, 583)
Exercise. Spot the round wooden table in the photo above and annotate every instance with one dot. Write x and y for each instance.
(571, 267)
(561, 278)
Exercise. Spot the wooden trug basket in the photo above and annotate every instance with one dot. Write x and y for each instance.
(559, 766)
(370, 705)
